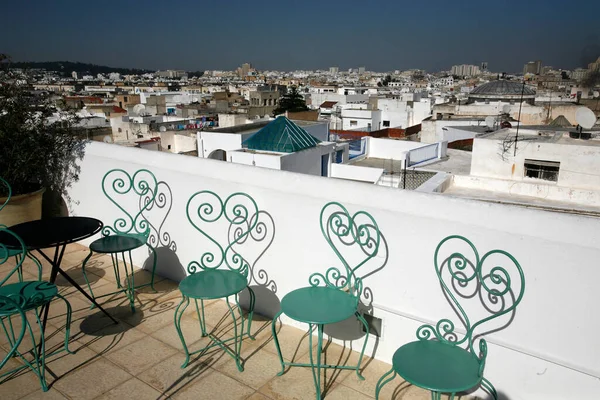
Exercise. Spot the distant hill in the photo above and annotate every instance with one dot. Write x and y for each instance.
(66, 67)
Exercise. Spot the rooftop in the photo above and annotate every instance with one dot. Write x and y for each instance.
(143, 353)
(256, 126)
(502, 87)
(281, 135)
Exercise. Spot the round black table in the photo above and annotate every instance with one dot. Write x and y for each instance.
(55, 233)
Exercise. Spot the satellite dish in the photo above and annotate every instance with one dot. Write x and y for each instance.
(596, 93)
(490, 121)
(107, 139)
(162, 129)
(585, 117)
(138, 109)
(506, 109)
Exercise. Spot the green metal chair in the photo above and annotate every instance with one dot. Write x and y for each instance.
(9, 252)
(448, 363)
(238, 216)
(128, 232)
(16, 299)
(339, 298)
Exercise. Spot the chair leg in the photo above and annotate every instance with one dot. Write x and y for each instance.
(487, 385)
(201, 318)
(316, 369)
(237, 341)
(39, 362)
(153, 267)
(251, 312)
(86, 277)
(185, 301)
(130, 278)
(67, 324)
(37, 262)
(115, 261)
(384, 380)
(364, 347)
(276, 340)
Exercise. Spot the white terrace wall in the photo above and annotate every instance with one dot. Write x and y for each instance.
(549, 350)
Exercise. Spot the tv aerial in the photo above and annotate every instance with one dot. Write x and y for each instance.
(585, 117)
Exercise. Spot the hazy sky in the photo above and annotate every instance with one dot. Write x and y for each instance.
(285, 34)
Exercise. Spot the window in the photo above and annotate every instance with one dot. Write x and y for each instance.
(353, 123)
(386, 124)
(125, 99)
(169, 147)
(546, 170)
(120, 130)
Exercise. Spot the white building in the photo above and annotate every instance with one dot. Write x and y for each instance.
(465, 70)
(299, 146)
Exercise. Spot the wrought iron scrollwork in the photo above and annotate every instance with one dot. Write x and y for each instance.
(155, 201)
(263, 233)
(118, 184)
(239, 210)
(470, 277)
(12, 246)
(343, 231)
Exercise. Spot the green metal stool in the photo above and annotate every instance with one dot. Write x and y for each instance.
(339, 298)
(128, 232)
(16, 299)
(239, 215)
(447, 363)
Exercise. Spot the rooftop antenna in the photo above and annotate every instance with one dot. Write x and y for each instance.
(519, 122)
(585, 118)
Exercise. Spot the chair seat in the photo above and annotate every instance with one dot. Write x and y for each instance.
(318, 305)
(437, 366)
(117, 243)
(29, 294)
(213, 284)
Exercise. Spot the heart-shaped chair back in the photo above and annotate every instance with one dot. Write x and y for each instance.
(124, 191)
(237, 214)
(355, 239)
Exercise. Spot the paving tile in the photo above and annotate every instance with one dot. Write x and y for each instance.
(257, 396)
(16, 386)
(372, 370)
(297, 383)
(215, 386)
(93, 380)
(341, 392)
(141, 354)
(51, 394)
(133, 388)
(168, 377)
(110, 343)
(190, 328)
(293, 342)
(260, 366)
(63, 363)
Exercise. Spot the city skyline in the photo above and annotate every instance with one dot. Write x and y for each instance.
(274, 36)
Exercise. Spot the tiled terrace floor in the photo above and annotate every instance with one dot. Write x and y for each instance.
(141, 357)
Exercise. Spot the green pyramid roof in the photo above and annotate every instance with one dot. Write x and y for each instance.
(561, 120)
(281, 135)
